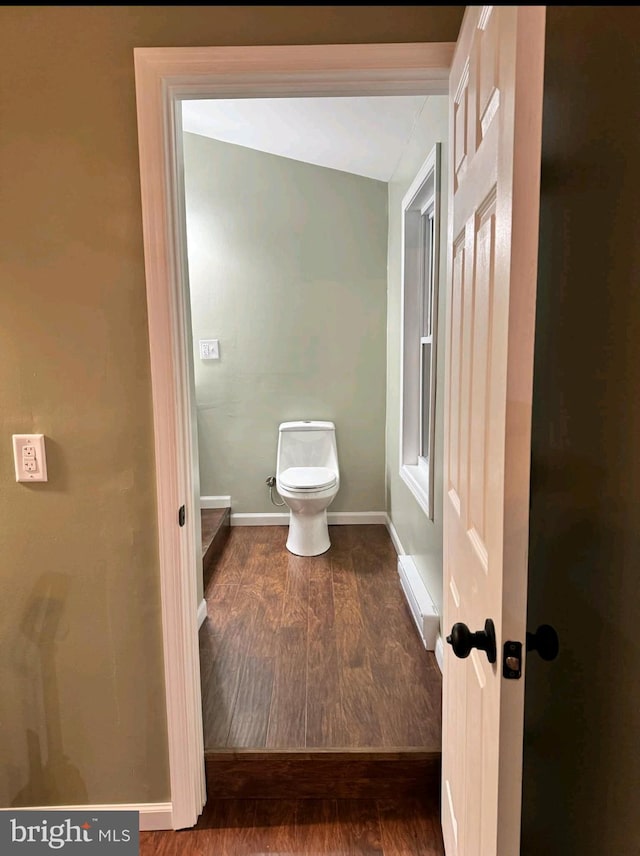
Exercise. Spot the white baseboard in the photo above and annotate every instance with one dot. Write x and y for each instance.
(335, 518)
(276, 519)
(350, 518)
(202, 612)
(215, 502)
(422, 607)
(393, 534)
(153, 816)
(440, 653)
(418, 598)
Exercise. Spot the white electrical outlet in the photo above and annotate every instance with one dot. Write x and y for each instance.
(29, 457)
(209, 349)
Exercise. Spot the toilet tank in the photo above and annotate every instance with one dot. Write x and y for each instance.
(307, 444)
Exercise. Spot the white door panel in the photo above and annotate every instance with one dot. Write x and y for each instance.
(495, 128)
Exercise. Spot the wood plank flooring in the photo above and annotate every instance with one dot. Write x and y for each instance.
(211, 519)
(215, 525)
(318, 652)
(321, 773)
(309, 827)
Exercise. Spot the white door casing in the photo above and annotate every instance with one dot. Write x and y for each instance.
(165, 76)
(495, 146)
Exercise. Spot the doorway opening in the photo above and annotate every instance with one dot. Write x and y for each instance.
(292, 208)
(334, 70)
(496, 102)
(288, 221)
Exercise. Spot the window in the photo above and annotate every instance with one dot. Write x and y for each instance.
(420, 241)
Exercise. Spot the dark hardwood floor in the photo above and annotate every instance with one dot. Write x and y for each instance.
(320, 652)
(215, 524)
(321, 773)
(309, 827)
(321, 707)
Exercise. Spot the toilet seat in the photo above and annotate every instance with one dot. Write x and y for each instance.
(308, 478)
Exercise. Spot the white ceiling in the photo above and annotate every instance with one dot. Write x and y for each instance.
(365, 136)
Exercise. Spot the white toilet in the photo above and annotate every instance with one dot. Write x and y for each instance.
(307, 478)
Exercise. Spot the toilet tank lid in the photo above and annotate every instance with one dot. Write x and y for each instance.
(307, 425)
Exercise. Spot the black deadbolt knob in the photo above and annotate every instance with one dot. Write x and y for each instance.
(544, 641)
(462, 640)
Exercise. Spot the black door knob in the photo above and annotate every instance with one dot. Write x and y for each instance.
(462, 640)
(544, 641)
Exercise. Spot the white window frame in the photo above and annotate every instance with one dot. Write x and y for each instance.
(420, 274)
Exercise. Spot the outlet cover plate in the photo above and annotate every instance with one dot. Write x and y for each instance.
(29, 448)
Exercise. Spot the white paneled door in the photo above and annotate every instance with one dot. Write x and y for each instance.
(496, 111)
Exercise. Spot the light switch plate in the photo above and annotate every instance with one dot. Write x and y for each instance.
(209, 349)
(29, 458)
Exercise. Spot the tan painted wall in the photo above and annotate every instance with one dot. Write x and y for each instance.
(581, 761)
(80, 641)
(288, 269)
(419, 536)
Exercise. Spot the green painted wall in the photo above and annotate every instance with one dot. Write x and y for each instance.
(419, 536)
(82, 701)
(288, 269)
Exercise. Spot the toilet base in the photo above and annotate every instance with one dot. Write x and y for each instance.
(308, 533)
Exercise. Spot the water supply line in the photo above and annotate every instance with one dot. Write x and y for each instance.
(271, 481)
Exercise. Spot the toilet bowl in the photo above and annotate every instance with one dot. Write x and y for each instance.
(307, 479)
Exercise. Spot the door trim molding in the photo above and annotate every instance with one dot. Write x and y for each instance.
(163, 77)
